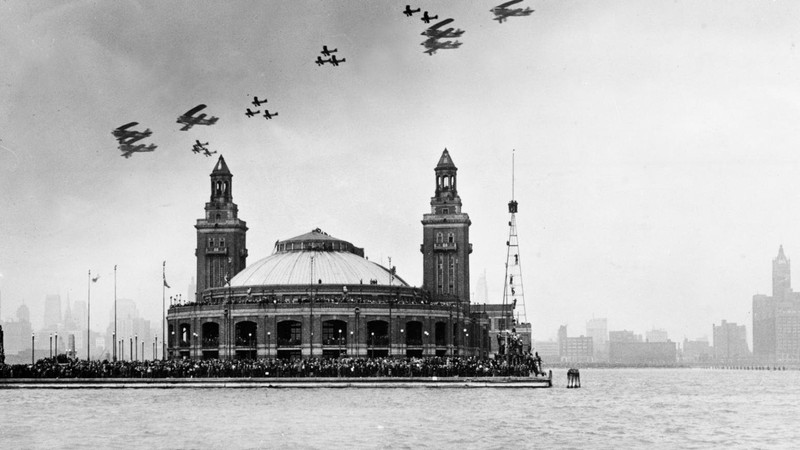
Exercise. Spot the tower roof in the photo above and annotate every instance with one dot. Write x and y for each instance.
(445, 162)
(221, 168)
(781, 255)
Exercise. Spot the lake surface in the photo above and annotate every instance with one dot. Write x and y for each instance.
(615, 408)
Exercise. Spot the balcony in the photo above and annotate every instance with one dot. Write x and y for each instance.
(445, 246)
(216, 250)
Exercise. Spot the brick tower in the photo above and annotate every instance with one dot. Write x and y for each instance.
(221, 247)
(445, 239)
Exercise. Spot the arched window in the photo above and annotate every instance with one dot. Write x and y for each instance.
(451, 238)
(438, 238)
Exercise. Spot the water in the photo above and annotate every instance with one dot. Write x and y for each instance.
(615, 408)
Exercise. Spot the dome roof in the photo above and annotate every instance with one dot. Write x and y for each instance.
(334, 262)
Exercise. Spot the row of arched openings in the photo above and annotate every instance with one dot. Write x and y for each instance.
(289, 334)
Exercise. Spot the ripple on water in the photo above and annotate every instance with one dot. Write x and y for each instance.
(658, 408)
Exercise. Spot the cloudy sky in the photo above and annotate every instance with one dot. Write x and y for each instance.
(656, 146)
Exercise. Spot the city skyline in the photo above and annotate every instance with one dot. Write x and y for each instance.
(655, 147)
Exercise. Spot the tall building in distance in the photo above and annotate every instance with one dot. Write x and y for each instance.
(597, 329)
(221, 246)
(776, 319)
(52, 312)
(730, 343)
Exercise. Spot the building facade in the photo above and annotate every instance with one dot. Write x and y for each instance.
(776, 319)
(730, 343)
(317, 295)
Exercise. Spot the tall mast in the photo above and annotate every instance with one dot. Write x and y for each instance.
(513, 291)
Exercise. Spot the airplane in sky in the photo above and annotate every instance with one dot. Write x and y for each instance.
(188, 119)
(435, 32)
(503, 12)
(251, 113)
(327, 52)
(321, 61)
(199, 147)
(335, 61)
(427, 19)
(123, 133)
(433, 44)
(410, 12)
(268, 116)
(257, 102)
(128, 150)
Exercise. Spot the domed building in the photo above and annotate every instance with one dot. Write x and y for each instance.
(317, 295)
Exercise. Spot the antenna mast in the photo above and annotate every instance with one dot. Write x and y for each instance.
(513, 292)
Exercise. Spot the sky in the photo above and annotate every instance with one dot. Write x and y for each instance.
(654, 144)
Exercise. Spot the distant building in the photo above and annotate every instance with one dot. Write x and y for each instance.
(656, 336)
(17, 334)
(730, 343)
(776, 319)
(597, 329)
(624, 336)
(697, 351)
(548, 350)
(574, 349)
(481, 289)
(642, 353)
(130, 327)
(52, 312)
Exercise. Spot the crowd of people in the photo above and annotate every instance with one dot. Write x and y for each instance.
(520, 366)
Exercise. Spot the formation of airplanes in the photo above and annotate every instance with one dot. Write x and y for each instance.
(503, 12)
(434, 35)
(256, 102)
(332, 58)
(435, 32)
(200, 148)
(188, 119)
(127, 136)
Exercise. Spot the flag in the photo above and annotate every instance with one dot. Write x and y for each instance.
(94, 280)
(165, 284)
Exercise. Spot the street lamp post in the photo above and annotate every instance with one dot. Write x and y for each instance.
(56, 344)
(51, 345)
(196, 344)
(115, 309)
(372, 345)
(136, 350)
(268, 344)
(402, 341)
(424, 340)
(250, 344)
(131, 339)
(33, 343)
(340, 342)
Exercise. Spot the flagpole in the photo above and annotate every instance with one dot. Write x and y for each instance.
(88, 315)
(163, 310)
(115, 311)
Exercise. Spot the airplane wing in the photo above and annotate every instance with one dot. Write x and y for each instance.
(126, 126)
(507, 4)
(445, 22)
(191, 112)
